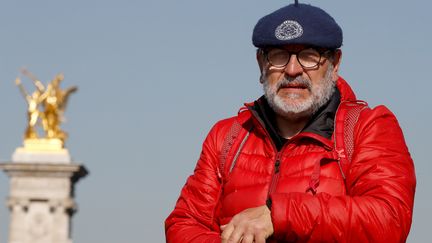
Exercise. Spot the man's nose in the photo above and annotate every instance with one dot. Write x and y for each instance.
(293, 68)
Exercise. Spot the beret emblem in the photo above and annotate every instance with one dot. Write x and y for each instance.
(288, 30)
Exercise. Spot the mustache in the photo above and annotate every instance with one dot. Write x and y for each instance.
(298, 81)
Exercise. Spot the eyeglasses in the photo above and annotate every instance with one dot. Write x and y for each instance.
(308, 58)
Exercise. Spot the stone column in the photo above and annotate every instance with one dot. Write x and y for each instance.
(41, 198)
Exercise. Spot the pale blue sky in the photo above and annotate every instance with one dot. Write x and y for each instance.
(154, 75)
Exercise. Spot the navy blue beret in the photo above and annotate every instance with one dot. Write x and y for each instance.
(298, 24)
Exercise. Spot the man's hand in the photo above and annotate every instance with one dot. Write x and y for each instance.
(250, 225)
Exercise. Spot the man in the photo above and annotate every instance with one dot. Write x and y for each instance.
(280, 178)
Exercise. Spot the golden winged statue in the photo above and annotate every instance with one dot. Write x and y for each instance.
(46, 107)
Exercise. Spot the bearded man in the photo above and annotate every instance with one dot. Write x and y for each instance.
(275, 172)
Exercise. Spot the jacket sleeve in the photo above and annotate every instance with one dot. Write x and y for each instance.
(192, 219)
(380, 192)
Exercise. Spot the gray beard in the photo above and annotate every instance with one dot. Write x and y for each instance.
(321, 93)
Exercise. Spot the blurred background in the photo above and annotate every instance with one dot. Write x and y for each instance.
(155, 75)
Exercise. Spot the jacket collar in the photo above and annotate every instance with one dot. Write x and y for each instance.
(319, 127)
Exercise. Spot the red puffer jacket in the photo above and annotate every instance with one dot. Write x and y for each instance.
(374, 204)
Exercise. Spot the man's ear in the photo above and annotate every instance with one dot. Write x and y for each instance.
(261, 62)
(336, 63)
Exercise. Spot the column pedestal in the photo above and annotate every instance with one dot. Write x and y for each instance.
(41, 198)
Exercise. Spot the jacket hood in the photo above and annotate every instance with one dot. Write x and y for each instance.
(345, 90)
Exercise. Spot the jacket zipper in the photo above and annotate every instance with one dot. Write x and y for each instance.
(277, 161)
(275, 175)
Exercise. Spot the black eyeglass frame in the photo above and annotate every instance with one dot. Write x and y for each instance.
(321, 53)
